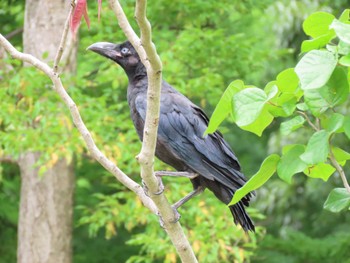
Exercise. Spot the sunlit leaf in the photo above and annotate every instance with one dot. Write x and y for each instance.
(290, 162)
(345, 16)
(317, 42)
(317, 148)
(224, 106)
(333, 93)
(267, 169)
(258, 126)
(321, 170)
(333, 123)
(317, 24)
(346, 126)
(249, 103)
(292, 125)
(340, 155)
(345, 61)
(337, 200)
(315, 69)
(287, 80)
(342, 30)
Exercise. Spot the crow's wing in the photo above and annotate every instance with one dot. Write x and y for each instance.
(181, 128)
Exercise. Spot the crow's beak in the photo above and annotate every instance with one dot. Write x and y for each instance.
(108, 50)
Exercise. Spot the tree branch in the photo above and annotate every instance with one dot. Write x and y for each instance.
(95, 152)
(313, 126)
(151, 60)
(63, 41)
(339, 169)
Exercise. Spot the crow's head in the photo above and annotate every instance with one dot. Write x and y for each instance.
(124, 54)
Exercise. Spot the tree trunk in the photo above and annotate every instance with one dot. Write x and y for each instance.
(43, 26)
(46, 206)
(45, 219)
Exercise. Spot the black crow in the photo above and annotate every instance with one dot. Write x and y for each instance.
(180, 141)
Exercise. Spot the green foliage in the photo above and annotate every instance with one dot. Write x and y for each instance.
(267, 169)
(299, 247)
(323, 90)
(338, 200)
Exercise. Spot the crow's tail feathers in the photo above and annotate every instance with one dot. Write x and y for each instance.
(238, 212)
(241, 217)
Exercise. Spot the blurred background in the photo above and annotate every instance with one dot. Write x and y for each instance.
(204, 45)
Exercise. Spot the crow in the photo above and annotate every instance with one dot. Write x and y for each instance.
(180, 140)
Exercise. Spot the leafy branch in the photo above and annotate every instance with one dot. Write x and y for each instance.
(317, 88)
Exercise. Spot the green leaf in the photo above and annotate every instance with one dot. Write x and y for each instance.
(224, 106)
(345, 16)
(343, 48)
(320, 170)
(259, 125)
(283, 106)
(333, 123)
(345, 61)
(292, 125)
(342, 30)
(340, 155)
(302, 107)
(346, 126)
(317, 42)
(315, 69)
(290, 162)
(287, 80)
(335, 92)
(337, 200)
(249, 103)
(267, 169)
(317, 24)
(317, 148)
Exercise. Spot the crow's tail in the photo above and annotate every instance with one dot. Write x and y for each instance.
(241, 217)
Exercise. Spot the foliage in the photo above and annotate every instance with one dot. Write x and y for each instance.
(299, 247)
(315, 92)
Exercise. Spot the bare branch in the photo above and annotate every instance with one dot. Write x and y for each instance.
(63, 38)
(339, 169)
(14, 33)
(313, 126)
(95, 152)
(150, 59)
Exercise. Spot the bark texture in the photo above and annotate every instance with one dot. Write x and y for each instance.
(45, 220)
(43, 26)
(46, 206)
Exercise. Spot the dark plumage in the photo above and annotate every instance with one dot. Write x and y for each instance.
(180, 141)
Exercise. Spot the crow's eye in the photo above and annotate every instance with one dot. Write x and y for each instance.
(125, 50)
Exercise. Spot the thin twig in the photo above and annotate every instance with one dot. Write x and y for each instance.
(308, 120)
(339, 169)
(14, 33)
(63, 41)
(149, 57)
(95, 152)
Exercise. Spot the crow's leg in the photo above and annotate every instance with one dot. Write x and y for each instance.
(176, 174)
(183, 200)
(160, 174)
(179, 203)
